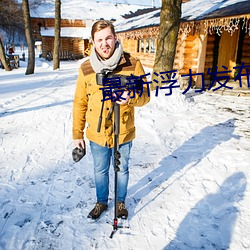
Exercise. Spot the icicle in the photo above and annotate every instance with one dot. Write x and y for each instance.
(244, 23)
(249, 30)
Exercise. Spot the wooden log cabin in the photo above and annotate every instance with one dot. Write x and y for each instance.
(77, 19)
(220, 37)
(74, 37)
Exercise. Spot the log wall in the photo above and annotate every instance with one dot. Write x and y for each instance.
(73, 45)
(50, 22)
(209, 54)
(186, 51)
(246, 50)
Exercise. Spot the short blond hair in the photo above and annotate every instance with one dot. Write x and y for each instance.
(101, 24)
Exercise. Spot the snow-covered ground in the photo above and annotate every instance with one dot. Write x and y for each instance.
(189, 170)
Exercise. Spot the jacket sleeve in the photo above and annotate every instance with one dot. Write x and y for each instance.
(143, 97)
(80, 106)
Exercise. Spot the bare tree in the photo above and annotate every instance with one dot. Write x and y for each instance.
(36, 3)
(11, 16)
(28, 33)
(168, 34)
(56, 59)
(3, 57)
(11, 24)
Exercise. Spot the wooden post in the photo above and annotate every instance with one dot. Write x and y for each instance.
(201, 59)
(144, 45)
(140, 40)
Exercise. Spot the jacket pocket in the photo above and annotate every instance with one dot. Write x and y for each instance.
(127, 120)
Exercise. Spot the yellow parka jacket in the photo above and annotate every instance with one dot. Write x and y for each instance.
(88, 101)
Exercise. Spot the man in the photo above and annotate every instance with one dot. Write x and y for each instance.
(107, 54)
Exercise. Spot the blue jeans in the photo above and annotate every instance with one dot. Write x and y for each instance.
(102, 158)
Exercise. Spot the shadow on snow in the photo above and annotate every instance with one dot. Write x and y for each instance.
(190, 153)
(23, 110)
(209, 225)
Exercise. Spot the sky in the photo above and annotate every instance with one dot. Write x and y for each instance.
(189, 170)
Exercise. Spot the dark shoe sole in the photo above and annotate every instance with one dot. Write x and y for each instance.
(122, 216)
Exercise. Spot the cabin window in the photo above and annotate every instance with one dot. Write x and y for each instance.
(146, 45)
(139, 46)
(152, 45)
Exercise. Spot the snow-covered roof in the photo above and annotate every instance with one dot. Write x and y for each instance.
(79, 32)
(197, 9)
(145, 20)
(192, 10)
(85, 10)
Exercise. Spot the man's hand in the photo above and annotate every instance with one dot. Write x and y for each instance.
(79, 143)
(79, 151)
(124, 98)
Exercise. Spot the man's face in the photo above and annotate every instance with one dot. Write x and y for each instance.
(104, 42)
